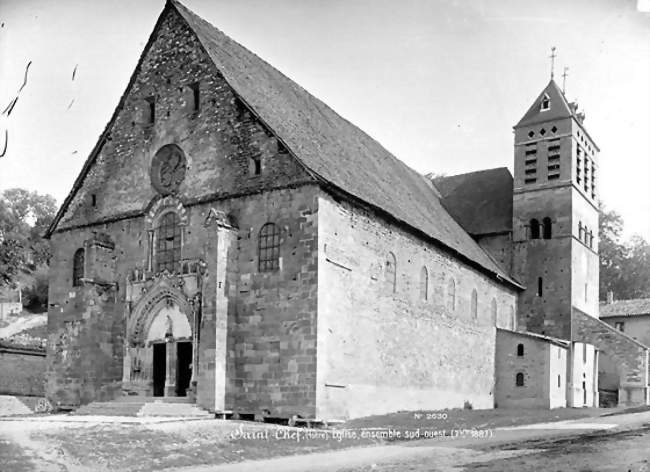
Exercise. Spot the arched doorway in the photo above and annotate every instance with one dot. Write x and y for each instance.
(159, 355)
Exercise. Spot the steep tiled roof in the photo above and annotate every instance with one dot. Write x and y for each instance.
(330, 146)
(636, 307)
(340, 155)
(480, 201)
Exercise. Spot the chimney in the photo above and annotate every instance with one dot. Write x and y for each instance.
(610, 297)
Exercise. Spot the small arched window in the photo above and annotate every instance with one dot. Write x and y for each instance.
(520, 350)
(269, 248)
(548, 228)
(474, 304)
(493, 311)
(390, 272)
(546, 103)
(519, 379)
(534, 229)
(451, 295)
(424, 284)
(78, 267)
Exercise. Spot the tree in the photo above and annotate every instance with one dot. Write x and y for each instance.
(24, 217)
(624, 266)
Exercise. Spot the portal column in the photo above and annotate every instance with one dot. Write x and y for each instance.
(170, 369)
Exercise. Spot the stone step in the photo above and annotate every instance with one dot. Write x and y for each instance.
(173, 409)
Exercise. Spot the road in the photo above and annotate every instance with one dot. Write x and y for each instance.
(611, 443)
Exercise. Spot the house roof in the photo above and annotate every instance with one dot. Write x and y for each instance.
(635, 307)
(480, 201)
(336, 152)
(539, 337)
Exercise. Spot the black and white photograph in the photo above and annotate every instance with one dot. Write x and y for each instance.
(325, 235)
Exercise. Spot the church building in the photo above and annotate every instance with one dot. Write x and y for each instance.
(232, 239)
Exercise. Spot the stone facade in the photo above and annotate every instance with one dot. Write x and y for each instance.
(542, 366)
(203, 252)
(388, 325)
(22, 371)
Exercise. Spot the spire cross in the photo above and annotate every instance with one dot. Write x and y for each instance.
(564, 76)
(552, 56)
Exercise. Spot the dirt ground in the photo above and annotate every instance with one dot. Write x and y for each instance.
(64, 443)
(627, 451)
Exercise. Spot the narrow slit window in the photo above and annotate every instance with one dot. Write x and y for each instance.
(534, 229)
(78, 267)
(390, 272)
(540, 287)
(196, 96)
(151, 110)
(424, 284)
(474, 304)
(451, 295)
(520, 350)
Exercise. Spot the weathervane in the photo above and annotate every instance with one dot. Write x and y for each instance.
(552, 56)
(564, 76)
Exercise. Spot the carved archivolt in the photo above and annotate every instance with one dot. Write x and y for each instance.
(159, 297)
(161, 205)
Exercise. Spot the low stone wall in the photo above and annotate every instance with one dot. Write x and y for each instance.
(629, 356)
(22, 371)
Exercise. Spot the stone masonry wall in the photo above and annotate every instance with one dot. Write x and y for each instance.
(381, 350)
(22, 372)
(219, 141)
(629, 357)
(534, 364)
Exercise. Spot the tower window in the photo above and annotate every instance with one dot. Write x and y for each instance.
(559, 381)
(78, 267)
(520, 350)
(93, 200)
(519, 379)
(534, 229)
(542, 131)
(548, 228)
(531, 134)
(554, 129)
(390, 272)
(546, 103)
(530, 181)
(269, 248)
(540, 287)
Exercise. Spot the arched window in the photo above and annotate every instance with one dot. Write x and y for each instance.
(546, 103)
(168, 243)
(390, 272)
(451, 295)
(269, 248)
(519, 379)
(548, 228)
(78, 267)
(520, 350)
(493, 311)
(540, 287)
(534, 229)
(424, 284)
(474, 304)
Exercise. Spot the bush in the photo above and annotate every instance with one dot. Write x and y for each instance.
(467, 406)
(35, 297)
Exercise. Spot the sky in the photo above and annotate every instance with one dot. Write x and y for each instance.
(439, 83)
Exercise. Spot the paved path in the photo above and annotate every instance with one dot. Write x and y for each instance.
(445, 453)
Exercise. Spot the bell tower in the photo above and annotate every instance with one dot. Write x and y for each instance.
(555, 215)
